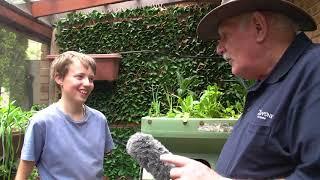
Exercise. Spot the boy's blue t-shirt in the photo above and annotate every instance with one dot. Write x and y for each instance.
(66, 149)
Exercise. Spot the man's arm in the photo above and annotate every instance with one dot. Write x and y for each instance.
(24, 170)
(305, 142)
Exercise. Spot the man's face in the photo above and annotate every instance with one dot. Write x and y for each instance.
(237, 46)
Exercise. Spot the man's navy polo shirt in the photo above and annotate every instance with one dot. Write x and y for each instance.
(278, 134)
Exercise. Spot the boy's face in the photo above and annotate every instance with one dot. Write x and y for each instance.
(77, 84)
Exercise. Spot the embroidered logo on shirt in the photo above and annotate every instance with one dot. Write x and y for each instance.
(264, 115)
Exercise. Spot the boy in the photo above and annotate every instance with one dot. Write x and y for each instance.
(68, 139)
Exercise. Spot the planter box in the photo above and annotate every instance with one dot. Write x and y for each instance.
(194, 138)
(107, 65)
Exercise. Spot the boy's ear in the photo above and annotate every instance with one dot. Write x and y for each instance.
(58, 79)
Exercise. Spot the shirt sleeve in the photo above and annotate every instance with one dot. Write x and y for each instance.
(109, 145)
(304, 134)
(33, 142)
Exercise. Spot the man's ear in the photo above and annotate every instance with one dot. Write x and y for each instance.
(260, 24)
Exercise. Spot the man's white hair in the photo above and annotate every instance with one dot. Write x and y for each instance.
(278, 21)
(282, 22)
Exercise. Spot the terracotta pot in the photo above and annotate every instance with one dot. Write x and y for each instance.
(107, 65)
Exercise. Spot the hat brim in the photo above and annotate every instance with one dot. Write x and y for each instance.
(208, 26)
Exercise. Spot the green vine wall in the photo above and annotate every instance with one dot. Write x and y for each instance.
(155, 42)
(119, 165)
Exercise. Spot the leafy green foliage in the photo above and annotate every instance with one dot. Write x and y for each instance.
(185, 84)
(13, 122)
(155, 43)
(101, 96)
(13, 118)
(34, 50)
(209, 105)
(34, 175)
(12, 64)
(119, 165)
(155, 105)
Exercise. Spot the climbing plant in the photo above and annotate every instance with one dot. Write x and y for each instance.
(155, 42)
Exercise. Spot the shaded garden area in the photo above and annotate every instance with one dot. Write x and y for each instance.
(161, 55)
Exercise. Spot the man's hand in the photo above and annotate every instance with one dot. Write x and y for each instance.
(186, 168)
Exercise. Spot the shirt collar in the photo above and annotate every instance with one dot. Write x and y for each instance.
(286, 62)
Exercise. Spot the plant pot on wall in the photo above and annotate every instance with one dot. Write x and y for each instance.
(107, 65)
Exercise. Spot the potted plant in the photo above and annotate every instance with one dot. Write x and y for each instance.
(13, 121)
(193, 127)
(107, 65)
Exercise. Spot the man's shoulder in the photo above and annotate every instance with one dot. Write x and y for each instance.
(314, 49)
(310, 60)
(305, 50)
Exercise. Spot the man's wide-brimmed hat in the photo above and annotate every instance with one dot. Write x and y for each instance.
(208, 26)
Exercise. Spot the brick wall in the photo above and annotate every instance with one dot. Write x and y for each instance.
(44, 77)
(48, 92)
(313, 8)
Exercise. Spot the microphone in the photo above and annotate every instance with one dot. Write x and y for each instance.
(147, 150)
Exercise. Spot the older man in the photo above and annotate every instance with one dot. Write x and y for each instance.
(278, 134)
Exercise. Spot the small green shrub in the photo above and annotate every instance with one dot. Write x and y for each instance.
(209, 105)
(119, 165)
(13, 120)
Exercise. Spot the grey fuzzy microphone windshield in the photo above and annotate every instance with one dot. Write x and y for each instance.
(147, 150)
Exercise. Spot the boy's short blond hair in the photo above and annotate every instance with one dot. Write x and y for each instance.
(60, 65)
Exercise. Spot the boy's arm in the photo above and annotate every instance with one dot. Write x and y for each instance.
(24, 170)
